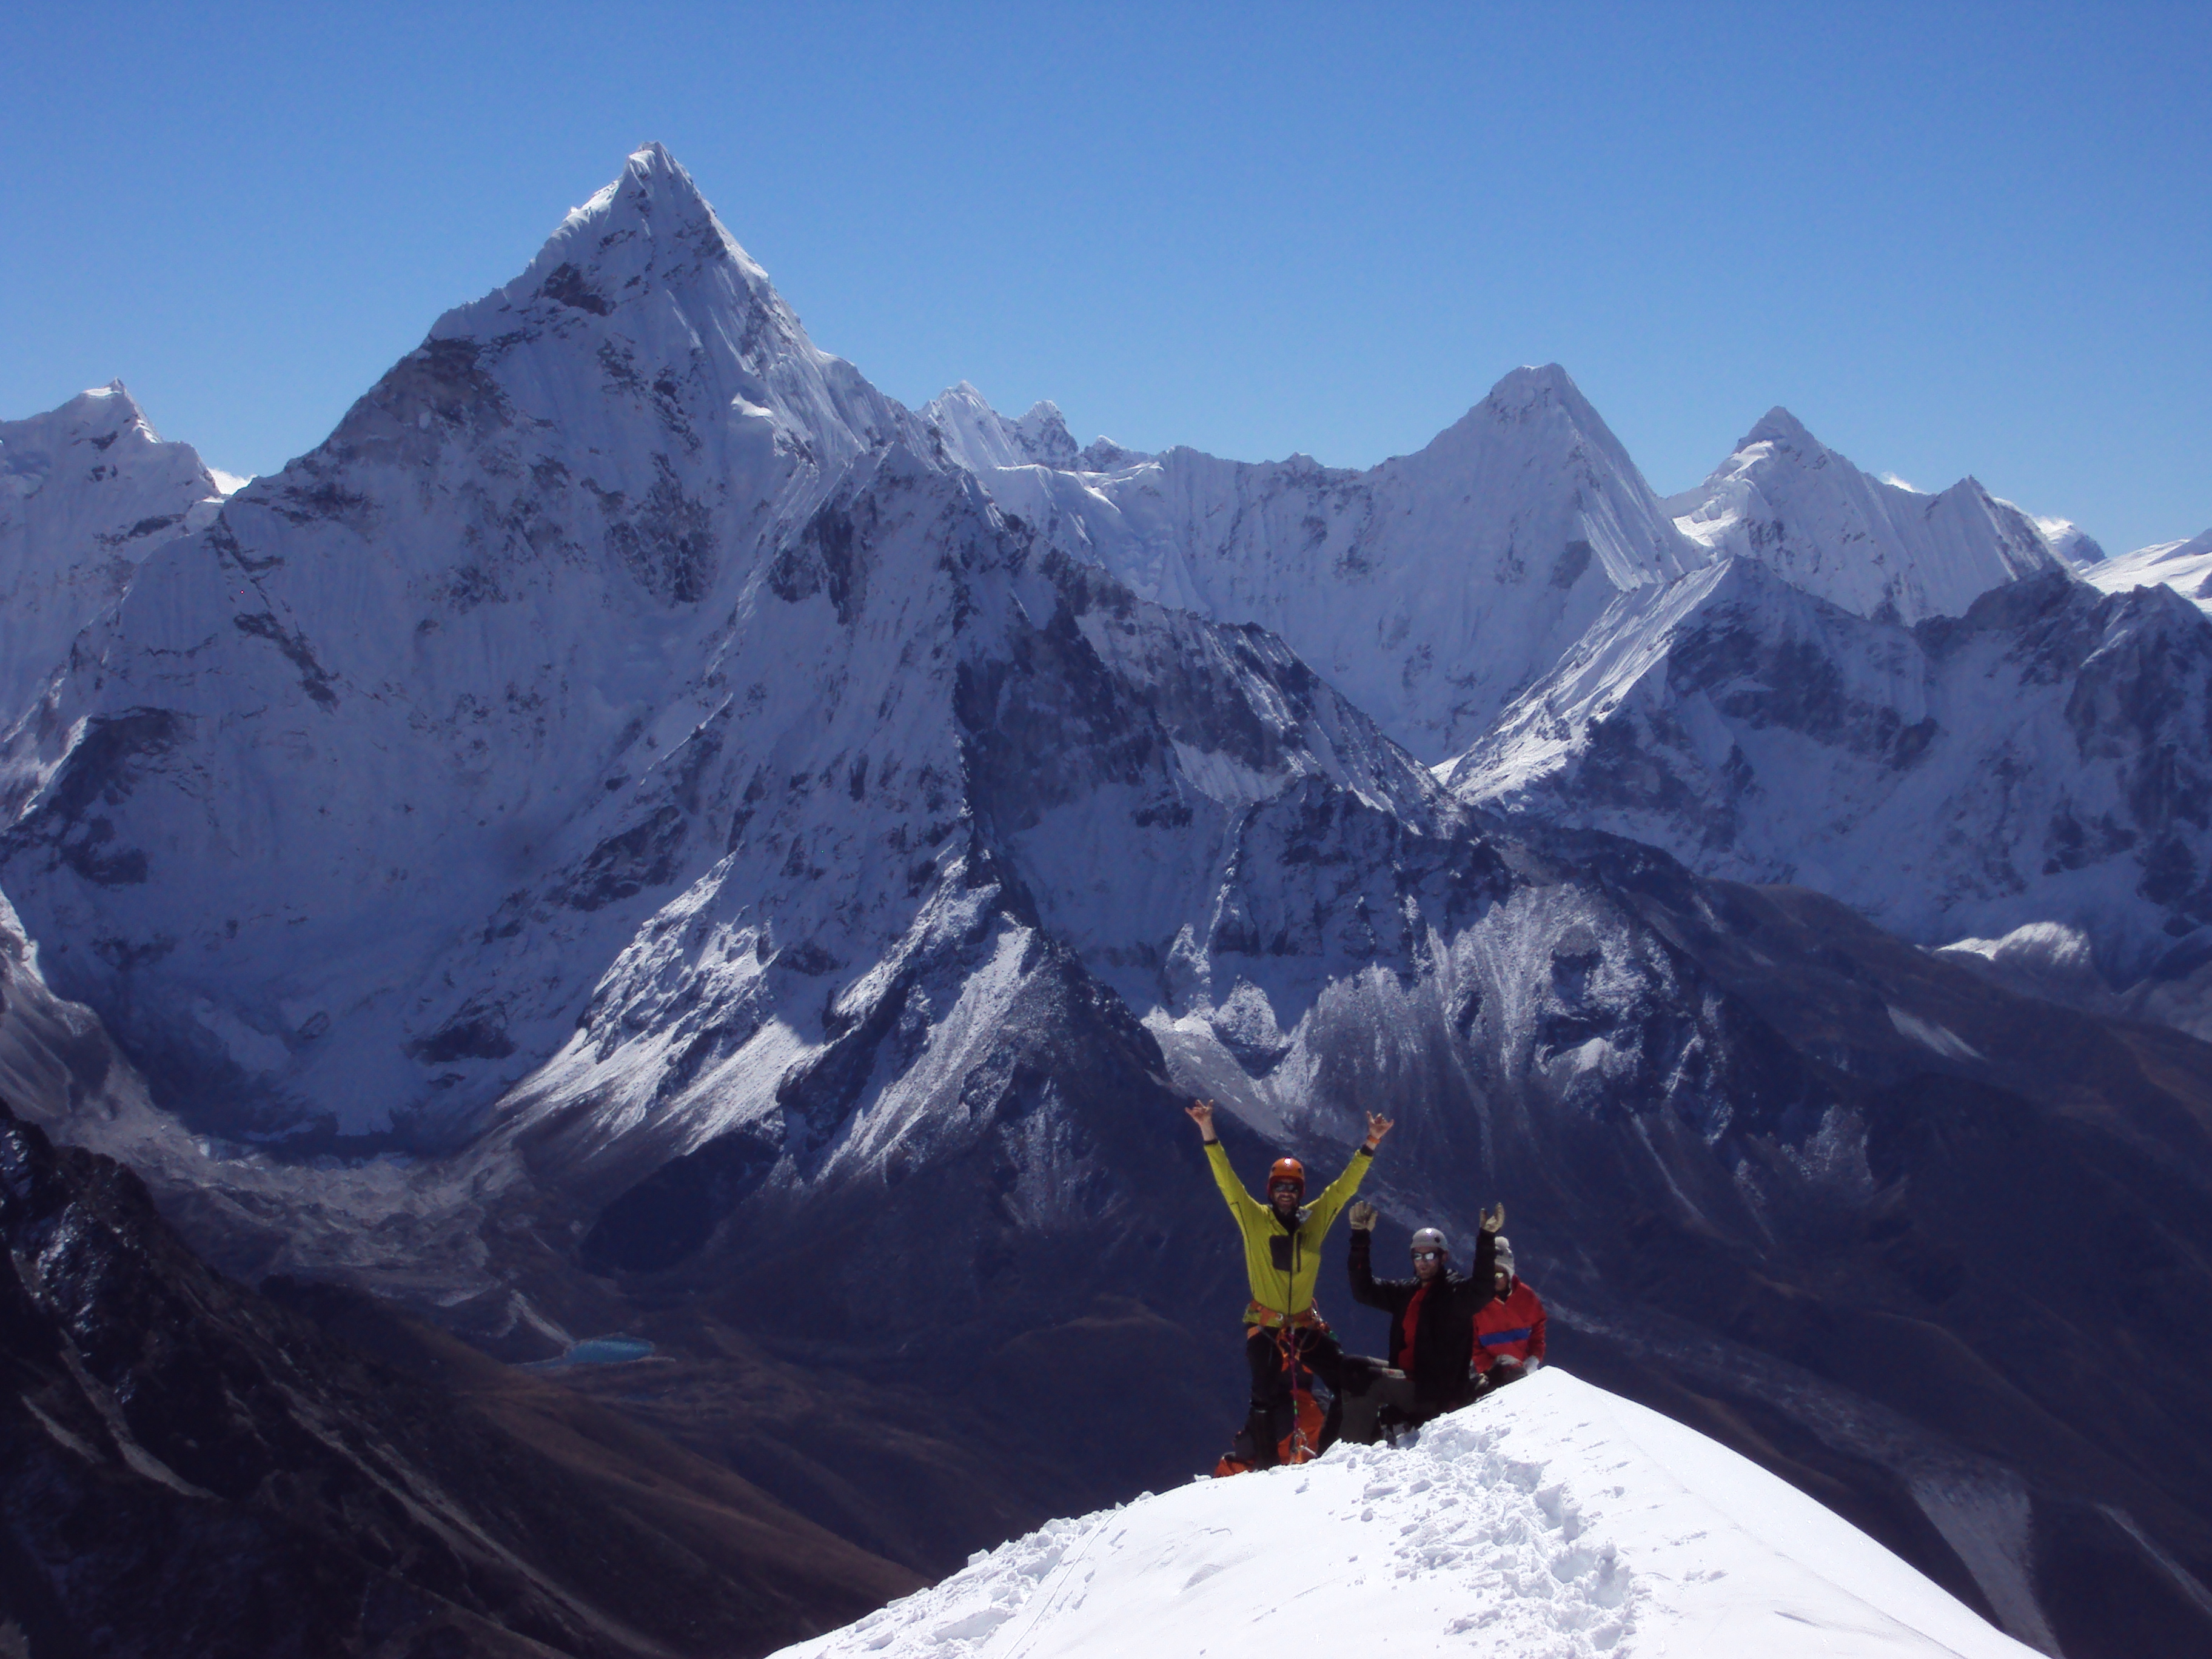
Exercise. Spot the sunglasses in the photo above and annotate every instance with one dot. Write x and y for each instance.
(1428, 1256)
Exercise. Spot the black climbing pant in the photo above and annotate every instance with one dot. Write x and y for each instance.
(1272, 1410)
(1367, 1390)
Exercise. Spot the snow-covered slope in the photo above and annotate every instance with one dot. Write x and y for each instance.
(2185, 567)
(1555, 1520)
(1872, 547)
(87, 491)
(2044, 759)
(1428, 589)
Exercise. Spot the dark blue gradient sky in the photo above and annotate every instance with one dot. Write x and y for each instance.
(1951, 240)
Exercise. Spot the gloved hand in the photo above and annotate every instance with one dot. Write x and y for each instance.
(1362, 1217)
(1494, 1221)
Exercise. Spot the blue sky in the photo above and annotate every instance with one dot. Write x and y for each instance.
(1951, 240)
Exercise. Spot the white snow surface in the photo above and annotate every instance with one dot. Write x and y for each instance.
(2185, 567)
(1870, 545)
(1555, 1521)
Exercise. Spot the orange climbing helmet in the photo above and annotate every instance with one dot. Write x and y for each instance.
(1290, 1170)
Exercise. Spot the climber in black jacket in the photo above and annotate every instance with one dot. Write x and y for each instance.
(1425, 1370)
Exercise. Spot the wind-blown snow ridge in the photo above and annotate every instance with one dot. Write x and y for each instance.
(1554, 1522)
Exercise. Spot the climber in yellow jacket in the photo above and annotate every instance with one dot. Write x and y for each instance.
(1282, 1257)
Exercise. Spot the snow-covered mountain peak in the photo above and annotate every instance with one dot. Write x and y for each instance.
(979, 438)
(1537, 384)
(1871, 545)
(645, 284)
(2071, 542)
(1546, 400)
(652, 213)
(1428, 588)
(1779, 426)
(1545, 469)
(1554, 1519)
(92, 421)
(87, 491)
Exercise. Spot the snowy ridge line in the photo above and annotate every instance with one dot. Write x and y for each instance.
(1555, 1521)
(2185, 566)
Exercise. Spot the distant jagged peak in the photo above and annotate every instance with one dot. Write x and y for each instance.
(1543, 409)
(88, 490)
(109, 408)
(97, 416)
(977, 437)
(2070, 542)
(1103, 455)
(1044, 434)
(1779, 427)
(1524, 394)
(1873, 545)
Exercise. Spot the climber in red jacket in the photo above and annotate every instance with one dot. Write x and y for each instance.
(1509, 1329)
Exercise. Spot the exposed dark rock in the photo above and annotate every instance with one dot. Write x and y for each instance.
(568, 286)
(627, 863)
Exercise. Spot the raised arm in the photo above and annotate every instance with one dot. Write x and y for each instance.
(1200, 1112)
(1339, 1191)
(1359, 1262)
(1482, 1273)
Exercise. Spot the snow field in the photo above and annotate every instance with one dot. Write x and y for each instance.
(1554, 1521)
